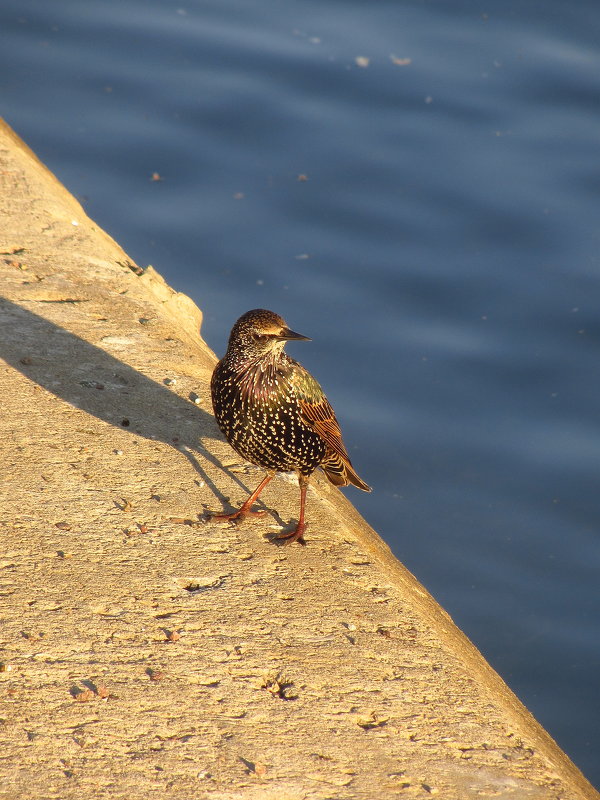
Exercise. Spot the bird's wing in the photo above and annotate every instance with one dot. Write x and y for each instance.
(318, 415)
(316, 412)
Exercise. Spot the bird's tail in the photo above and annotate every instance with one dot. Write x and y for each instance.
(341, 472)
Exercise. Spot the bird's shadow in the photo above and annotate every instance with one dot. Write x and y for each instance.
(89, 378)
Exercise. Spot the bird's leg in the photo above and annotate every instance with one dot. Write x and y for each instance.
(298, 534)
(245, 510)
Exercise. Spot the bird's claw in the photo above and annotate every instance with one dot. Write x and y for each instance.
(296, 535)
(237, 516)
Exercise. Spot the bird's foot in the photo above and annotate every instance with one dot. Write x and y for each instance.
(240, 514)
(296, 535)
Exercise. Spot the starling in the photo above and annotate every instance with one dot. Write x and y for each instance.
(274, 413)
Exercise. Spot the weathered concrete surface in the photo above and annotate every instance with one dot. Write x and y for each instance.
(148, 654)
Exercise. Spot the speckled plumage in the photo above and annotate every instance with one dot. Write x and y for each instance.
(274, 413)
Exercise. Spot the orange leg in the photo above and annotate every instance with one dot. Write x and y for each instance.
(297, 535)
(245, 510)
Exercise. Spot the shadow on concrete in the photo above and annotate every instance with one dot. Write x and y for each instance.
(89, 378)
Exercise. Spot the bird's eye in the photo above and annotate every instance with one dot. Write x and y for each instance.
(260, 337)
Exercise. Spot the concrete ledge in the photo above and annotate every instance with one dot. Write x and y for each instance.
(146, 654)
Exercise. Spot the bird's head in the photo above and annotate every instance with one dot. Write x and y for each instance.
(260, 333)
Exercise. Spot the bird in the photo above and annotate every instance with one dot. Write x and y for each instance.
(275, 414)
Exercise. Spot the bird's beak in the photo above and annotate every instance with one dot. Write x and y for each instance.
(286, 334)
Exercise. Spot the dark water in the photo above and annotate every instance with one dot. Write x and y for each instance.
(443, 253)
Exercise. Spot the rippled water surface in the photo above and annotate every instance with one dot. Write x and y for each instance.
(415, 185)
